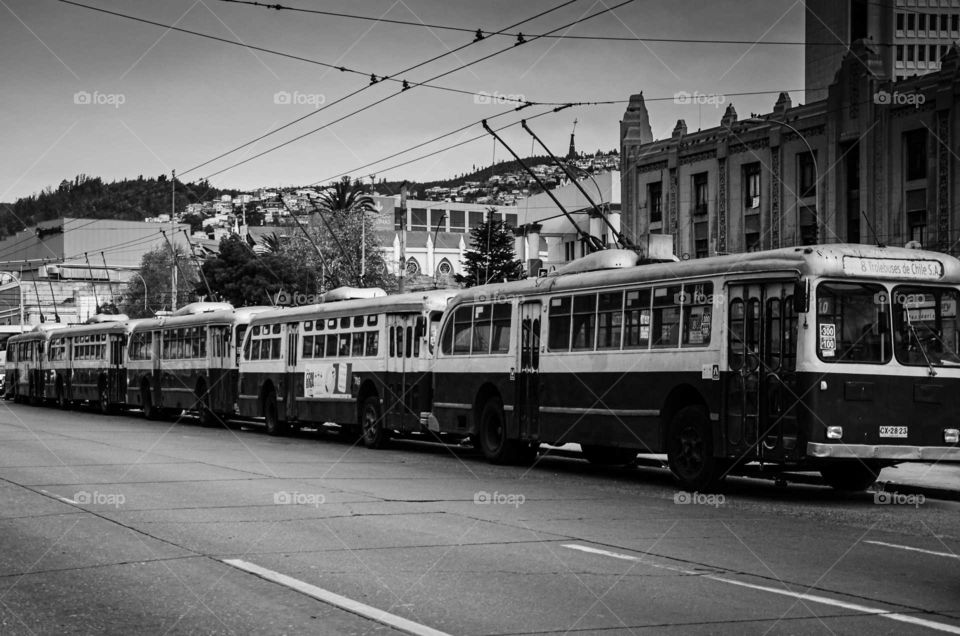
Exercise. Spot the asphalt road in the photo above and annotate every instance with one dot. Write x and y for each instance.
(119, 525)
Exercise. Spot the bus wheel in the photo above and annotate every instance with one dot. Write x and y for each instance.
(690, 450)
(493, 434)
(150, 411)
(205, 416)
(608, 455)
(850, 476)
(271, 416)
(104, 400)
(375, 434)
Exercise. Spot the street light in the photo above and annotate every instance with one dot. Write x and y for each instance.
(813, 158)
(19, 290)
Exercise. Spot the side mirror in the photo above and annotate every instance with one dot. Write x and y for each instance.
(801, 297)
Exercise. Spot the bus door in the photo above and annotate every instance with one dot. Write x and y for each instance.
(294, 384)
(396, 397)
(760, 383)
(527, 404)
(221, 376)
(116, 373)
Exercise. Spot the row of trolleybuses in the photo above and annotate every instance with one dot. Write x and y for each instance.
(837, 358)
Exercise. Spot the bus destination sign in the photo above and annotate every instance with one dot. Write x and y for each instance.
(904, 268)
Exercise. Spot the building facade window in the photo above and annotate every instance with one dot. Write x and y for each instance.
(701, 239)
(700, 194)
(458, 221)
(655, 201)
(900, 21)
(418, 219)
(444, 268)
(807, 175)
(413, 267)
(915, 151)
(751, 186)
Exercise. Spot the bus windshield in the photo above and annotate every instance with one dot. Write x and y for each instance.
(853, 323)
(926, 327)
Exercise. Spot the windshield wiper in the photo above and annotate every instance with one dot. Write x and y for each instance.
(923, 349)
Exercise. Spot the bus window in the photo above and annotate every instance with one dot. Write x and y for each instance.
(246, 349)
(331, 345)
(410, 339)
(357, 321)
(559, 338)
(774, 334)
(851, 325)
(372, 320)
(275, 349)
(373, 340)
(481, 329)
(637, 319)
(393, 342)
(737, 335)
(500, 338)
(609, 320)
(461, 330)
(345, 322)
(697, 314)
(343, 347)
(666, 317)
(926, 327)
(307, 347)
(358, 340)
(584, 321)
(419, 333)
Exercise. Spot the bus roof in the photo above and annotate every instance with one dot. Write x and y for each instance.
(431, 299)
(39, 332)
(240, 315)
(852, 261)
(118, 326)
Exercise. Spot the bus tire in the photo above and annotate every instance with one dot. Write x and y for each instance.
(205, 416)
(608, 455)
(850, 476)
(375, 434)
(150, 411)
(690, 450)
(103, 400)
(271, 415)
(493, 434)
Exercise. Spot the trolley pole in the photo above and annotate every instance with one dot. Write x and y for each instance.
(402, 272)
(173, 252)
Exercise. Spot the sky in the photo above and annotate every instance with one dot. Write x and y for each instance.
(86, 92)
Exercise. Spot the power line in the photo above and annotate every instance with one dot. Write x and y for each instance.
(480, 34)
(388, 97)
(360, 90)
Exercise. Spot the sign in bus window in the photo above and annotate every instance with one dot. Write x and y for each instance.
(637, 319)
(853, 323)
(559, 337)
(609, 320)
(926, 329)
(697, 314)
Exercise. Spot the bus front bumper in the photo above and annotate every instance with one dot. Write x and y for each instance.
(899, 453)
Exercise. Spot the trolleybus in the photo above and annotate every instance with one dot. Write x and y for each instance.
(837, 358)
(27, 362)
(362, 364)
(188, 361)
(86, 363)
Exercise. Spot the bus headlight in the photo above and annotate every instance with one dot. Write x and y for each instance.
(951, 435)
(834, 432)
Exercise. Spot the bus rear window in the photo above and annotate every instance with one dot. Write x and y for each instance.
(925, 326)
(853, 323)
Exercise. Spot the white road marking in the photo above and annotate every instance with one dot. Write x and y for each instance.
(948, 555)
(69, 501)
(354, 607)
(903, 618)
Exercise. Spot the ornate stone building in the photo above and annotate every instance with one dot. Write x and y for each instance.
(874, 161)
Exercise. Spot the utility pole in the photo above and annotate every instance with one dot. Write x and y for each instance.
(403, 237)
(173, 252)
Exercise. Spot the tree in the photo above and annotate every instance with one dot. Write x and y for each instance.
(490, 257)
(155, 268)
(339, 239)
(244, 278)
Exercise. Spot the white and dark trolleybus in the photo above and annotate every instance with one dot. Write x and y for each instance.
(837, 358)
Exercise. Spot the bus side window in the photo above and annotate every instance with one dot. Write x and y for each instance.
(584, 321)
(481, 329)
(419, 333)
(666, 317)
(500, 338)
(409, 343)
(461, 329)
(559, 338)
(373, 341)
(609, 320)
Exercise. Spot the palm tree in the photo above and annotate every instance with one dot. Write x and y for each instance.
(345, 197)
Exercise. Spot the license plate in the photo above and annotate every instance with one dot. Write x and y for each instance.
(893, 431)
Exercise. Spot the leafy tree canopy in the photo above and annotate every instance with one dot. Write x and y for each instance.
(490, 257)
